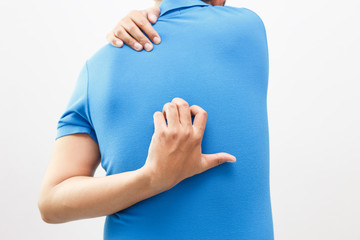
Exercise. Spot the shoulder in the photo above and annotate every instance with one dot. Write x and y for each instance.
(102, 55)
(236, 24)
(108, 54)
(102, 62)
(240, 16)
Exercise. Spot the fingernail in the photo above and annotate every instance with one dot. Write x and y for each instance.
(137, 46)
(147, 47)
(156, 40)
(233, 159)
(152, 17)
(118, 43)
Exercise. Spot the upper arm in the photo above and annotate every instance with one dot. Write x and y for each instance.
(73, 155)
(76, 150)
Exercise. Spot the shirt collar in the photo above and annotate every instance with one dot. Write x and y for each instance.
(167, 5)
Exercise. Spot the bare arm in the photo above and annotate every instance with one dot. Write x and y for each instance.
(70, 192)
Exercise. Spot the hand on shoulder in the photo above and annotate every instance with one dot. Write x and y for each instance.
(128, 30)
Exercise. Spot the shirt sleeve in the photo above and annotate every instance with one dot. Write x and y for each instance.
(76, 117)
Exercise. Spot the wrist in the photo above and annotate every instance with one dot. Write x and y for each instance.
(151, 181)
(155, 183)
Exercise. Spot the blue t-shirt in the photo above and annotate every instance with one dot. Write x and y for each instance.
(212, 56)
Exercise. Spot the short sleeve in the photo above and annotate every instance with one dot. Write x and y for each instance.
(76, 117)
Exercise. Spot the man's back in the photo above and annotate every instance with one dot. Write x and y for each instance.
(216, 58)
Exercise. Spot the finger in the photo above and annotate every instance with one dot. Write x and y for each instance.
(132, 24)
(135, 32)
(199, 119)
(212, 160)
(142, 22)
(159, 121)
(171, 114)
(184, 111)
(116, 42)
(122, 34)
(153, 13)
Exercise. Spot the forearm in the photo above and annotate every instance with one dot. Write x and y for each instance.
(87, 197)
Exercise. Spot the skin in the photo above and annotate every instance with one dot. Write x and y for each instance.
(128, 29)
(71, 192)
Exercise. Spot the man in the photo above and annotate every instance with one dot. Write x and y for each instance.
(158, 184)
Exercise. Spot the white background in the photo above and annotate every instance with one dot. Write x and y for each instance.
(313, 107)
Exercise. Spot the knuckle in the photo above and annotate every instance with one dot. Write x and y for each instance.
(143, 40)
(141, 23)
(173, 133)
(197, 137)
(161, 133)
(172, 105)
(187, 133)
(181, 102)
(152, 33)
(118, 32)
(132, 28)
(132, 42)
(177, 99)
(184, 104)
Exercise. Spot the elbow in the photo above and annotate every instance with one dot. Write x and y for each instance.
(46, 212)
(46, 218)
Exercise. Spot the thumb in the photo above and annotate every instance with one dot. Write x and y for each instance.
(212, 160)
(153, 14)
